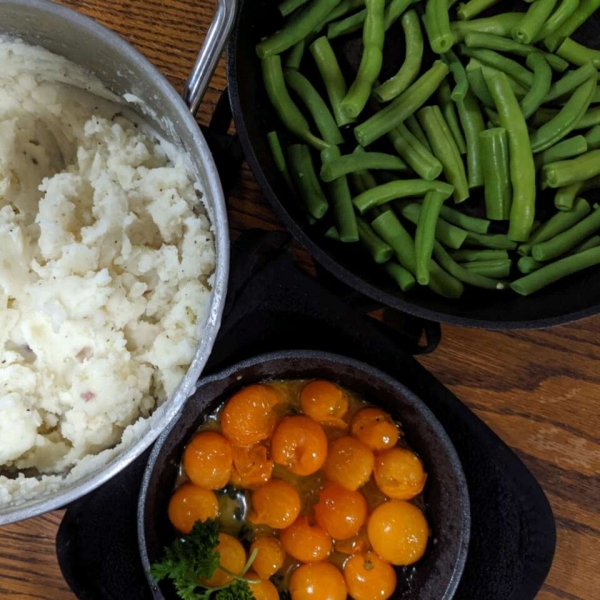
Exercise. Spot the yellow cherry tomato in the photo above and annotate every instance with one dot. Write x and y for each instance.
(375, 428)
(324, 402)
(232, 558)
(207, 460)
(306, 542)
(318, 581)
(340, 512)
(264, 590)
(252, 466)
(269, 558)
(399, 473)
(300, 444)
(398, 532)
(276, 504)
(189, 504)
(368, 577)
(349, 463)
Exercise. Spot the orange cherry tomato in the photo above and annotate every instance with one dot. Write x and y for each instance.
(189, 504)
(349, 463)
(207, 460)
(368, 577)
(399, 473)
(276, 504)
(269, 558)
(306, 542)
(252, 466)
(248, 417)
(264, 590)
(340, 512)
(318, 581)
(299, 444)
(398, 532)
(232, 558)
(324, 402)
(375, 428)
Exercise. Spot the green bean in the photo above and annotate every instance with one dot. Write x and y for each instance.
(498, 25)
(370, 62)
(353, 23)
(573, 79)
(412, 124)
(472, 124)
(496, 241)
(473, 8)
(288, 112)
(464, 221)
(408, 188)
(278, 157)
(295, 55)
(414, 153)
(596, 96)
(332, 78)
(412, 62)
(495, 269)
(380, 251)
(521, 167)
(437, 26)
(449, 112)
(564, 122)
(542, 80)
(392, 231)
(401, 107)
(556, 224)
(315, 106)
(289, 6)
(357, 162)
(527, 265)
(341, 201)
(585, 10)
(566, 172)
(462, 274)
(564, 241)
(555, 271)
(400, 275)
(468, 255)
(544, 115)
(578, 54)
(501, 63)
(565, 196)
(592, 138)
(566, 149)
(459, 73)
(305, 180)
(592, 242)
(477, 83)
(332, 234)
(346, 26)
(532, 21)
(343, 8)
(450, 235)
(590, 118)
(495, 168)
(296, 29)
(445, 150)
(558, 17)
(501, 44)
(426, 232)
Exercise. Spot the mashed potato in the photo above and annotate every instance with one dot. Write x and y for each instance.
(105, 264)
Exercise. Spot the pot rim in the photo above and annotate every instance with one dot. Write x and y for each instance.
(218, 213)
(339, 359)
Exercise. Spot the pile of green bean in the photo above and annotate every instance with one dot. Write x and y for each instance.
(505, 115)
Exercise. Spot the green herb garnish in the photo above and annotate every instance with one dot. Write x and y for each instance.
(193, 558)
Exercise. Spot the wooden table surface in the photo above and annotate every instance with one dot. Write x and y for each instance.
(539, 390)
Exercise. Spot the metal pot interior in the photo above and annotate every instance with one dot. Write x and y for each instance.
(446, 495)
(124, 70)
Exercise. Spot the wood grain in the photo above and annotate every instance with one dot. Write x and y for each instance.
(540, 391)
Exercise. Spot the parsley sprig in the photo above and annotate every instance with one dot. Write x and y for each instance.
(192, 559)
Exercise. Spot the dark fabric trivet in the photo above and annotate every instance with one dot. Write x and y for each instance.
(513, 533)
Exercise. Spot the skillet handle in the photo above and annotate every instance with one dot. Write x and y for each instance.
(208, 57)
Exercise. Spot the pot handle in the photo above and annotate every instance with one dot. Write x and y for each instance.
(212, 48)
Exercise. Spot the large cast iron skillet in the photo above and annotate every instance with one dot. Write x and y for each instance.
(573, 298)
(437, 575)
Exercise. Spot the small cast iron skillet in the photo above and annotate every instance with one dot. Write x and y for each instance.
(437, 575)
(573, 298)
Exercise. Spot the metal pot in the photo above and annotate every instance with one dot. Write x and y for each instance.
(437, 575)
(124, 70)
